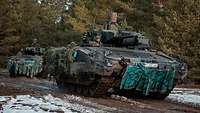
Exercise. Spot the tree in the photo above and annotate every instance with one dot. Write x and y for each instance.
(84, 13)
(178, 31)
(23, 20)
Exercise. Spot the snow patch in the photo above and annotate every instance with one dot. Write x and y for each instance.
(48, 103)
(195, 91)
(73, 98)
(188, 99)
(4, 98)
(132, 102)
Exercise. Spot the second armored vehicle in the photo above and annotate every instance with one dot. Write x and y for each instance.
(29, 62)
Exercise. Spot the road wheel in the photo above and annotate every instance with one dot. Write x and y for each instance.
(59, 81)
(79, 89)
(12, 75)
(159, 96)
(85, 91)
(60, 84)
(71, 87)
(92, 90)
(162, 96)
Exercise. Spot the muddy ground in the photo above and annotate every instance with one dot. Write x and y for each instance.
(39, 87)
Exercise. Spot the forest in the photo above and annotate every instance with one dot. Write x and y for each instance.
(172, 25)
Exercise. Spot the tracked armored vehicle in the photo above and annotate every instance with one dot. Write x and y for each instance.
(96, 71)
(28, 62)
(117, 61)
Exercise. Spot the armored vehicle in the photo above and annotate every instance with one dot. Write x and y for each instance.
(28, 61)
(119, 62)
(95, 71)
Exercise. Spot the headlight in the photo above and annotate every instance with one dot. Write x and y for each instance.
(183, 68)
(150, 65)
(109, 64)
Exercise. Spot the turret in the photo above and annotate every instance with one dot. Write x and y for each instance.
(115, 34)
(124, 38)
(120, 38)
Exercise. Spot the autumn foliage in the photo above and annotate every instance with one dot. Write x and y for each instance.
(173, 25)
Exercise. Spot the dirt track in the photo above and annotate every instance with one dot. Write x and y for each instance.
(23, 85)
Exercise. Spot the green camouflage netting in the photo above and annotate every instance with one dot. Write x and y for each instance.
(147, 80)
(25, 65)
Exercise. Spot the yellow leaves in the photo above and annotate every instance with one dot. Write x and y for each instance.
(80, 18)
(85, 12)
(81, 12)
(76, 24)
(121, 5)
(178, 30)
(158, 21)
